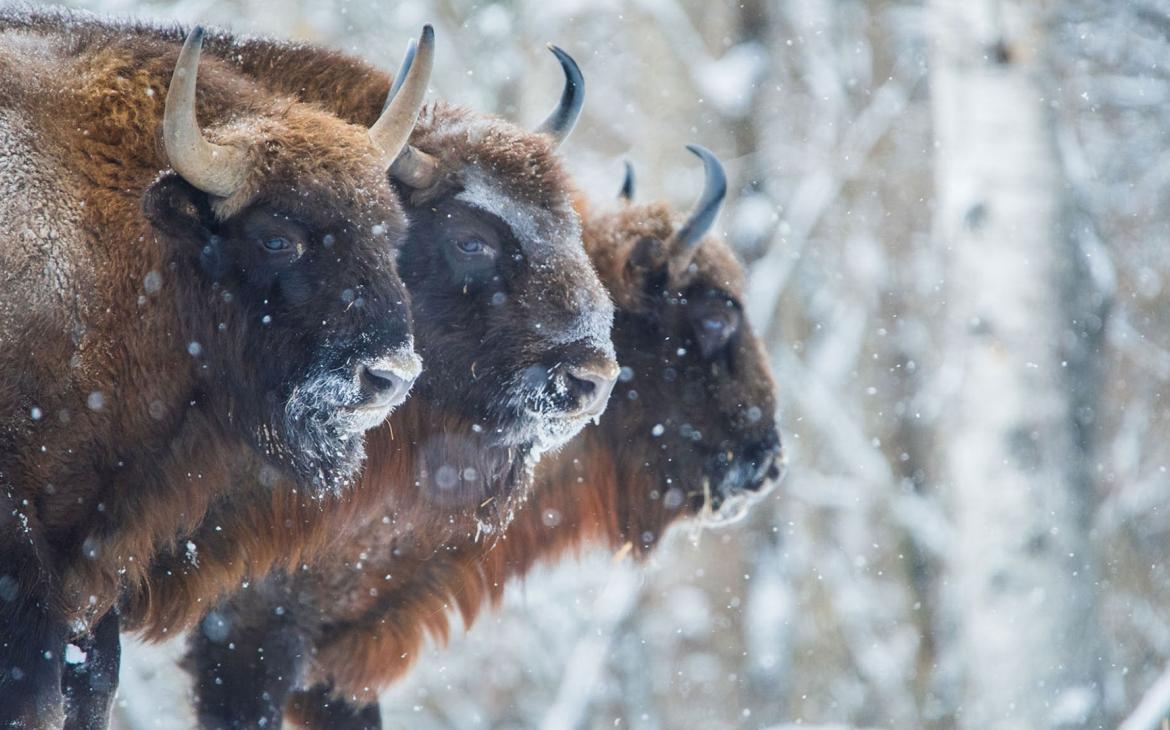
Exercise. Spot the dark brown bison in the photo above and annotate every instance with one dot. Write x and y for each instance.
(690, 431)
(510, 313)
(160, 329)
(515, 325)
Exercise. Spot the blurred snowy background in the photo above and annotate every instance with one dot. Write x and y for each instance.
(910, 182)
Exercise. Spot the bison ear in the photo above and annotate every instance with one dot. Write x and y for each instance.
(177, 208)
(182, 213)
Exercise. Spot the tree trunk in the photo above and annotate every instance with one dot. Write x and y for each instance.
(1020, 584)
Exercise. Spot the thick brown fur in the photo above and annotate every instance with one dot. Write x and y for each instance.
(379, 627)
(462, 414)
(137, 375)
(365, 612)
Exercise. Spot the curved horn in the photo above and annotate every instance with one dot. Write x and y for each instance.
(213, 168)
(627, 191)
(702, 217)
(564, 117)
(392, 130)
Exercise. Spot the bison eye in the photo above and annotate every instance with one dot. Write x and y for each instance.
(472, 246)
(714, 329)
(276, 244)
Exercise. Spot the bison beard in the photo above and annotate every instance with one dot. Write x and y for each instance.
(363, 614)
(135, 374)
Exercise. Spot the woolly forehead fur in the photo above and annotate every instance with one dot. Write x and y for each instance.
(612, 238)
(302, 153)
(522, 160)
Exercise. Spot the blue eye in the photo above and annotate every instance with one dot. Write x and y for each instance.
(276, 243)
(472, 246)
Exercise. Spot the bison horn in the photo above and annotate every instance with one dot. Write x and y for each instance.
(627, 191)
(391, 132)
(213, 168)
(413, 166)
(703, 215)
(564, 117)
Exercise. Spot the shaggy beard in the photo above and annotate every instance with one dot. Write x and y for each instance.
(321, 436)
(728, 502)
(462, 471)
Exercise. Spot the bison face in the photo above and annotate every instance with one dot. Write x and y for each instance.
(692, 424)
(695, 402)
(289, 231)
(310, 344)
(506, 300)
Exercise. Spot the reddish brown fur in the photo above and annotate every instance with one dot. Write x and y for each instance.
(379, 626)
(110, 127)
(599, 488)
(230, 548)
(364, 613)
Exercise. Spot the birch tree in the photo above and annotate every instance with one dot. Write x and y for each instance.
(1020, 584)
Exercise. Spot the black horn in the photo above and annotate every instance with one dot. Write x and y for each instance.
(627, 191)
(564, 117)
(703, 214)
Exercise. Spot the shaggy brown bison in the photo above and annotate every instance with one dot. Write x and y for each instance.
(691, 430)
(515, 324)
(159, 329)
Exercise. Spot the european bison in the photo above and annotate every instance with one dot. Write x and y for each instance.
(690, 431)
(159, 328)
(515, 326)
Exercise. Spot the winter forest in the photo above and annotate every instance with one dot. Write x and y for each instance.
(951, 216)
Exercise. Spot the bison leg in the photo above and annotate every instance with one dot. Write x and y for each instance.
(243, 670)
(318, 709)
(33, 632)
(89, 687)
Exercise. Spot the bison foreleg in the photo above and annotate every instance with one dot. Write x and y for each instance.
(243, 670)
(33, 631)
(89, 686)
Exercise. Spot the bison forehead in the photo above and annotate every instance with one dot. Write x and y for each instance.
(551, 241)
(547, 236)
(301, 150)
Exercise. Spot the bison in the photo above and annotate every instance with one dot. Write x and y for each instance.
(515, 325)
(158, 329)
(691, 431)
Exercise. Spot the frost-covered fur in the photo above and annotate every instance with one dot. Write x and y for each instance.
(143, 344)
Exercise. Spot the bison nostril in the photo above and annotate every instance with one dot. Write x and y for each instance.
(387, 382)
(591, 385)
(765, 462)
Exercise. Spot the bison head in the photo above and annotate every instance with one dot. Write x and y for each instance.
(286, 222)
(693, 415)
(506, 303)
